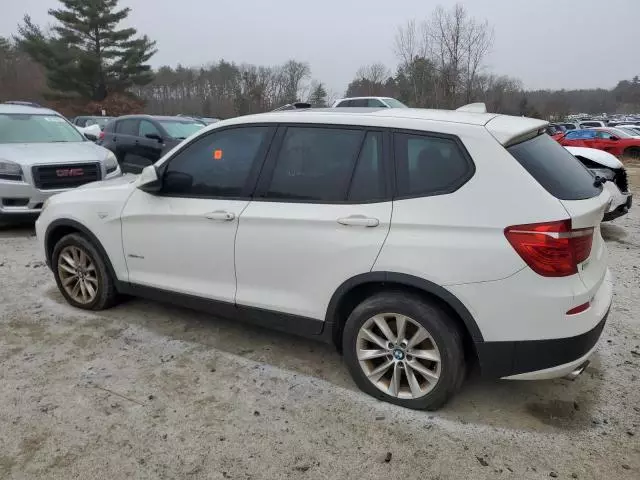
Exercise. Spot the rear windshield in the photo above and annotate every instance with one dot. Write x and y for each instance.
(559, 172)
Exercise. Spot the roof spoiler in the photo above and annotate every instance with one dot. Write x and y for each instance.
(473, 108)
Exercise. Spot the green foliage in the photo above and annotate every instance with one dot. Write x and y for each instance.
(318, 97)
(85, 54)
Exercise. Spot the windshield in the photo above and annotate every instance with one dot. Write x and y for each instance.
(393, 103)
(25, 128)
(620, 133)
(629, 131)
(181, 130)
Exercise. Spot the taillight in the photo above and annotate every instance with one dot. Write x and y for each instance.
(101, 136)
(551, 249)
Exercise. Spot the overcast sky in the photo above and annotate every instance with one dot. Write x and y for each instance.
(545, 43)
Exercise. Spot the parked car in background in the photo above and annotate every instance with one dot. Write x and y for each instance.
(592, 123)
(606, 166)
(603, 140)
(569, 125)
(293, 106)
(555, 131)
(140, 140)
(634, 128)
(285, 219)
(369, 102)
(619, 132)
(87, 121)
(41, 154)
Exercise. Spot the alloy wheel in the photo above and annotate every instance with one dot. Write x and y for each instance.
(78, 274)
(398, 355)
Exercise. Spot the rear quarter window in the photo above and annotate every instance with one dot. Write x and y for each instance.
(559, 172)
(429, 165)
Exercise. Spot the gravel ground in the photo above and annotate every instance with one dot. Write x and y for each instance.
(153, 391)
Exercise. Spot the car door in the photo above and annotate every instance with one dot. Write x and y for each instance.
(124, 137)
(182, 238)
(147, 148)
(320, 215)
(605, 141)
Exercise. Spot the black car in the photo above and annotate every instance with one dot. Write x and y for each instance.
(140, 140)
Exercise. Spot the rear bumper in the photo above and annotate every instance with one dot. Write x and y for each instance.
(553, 356)
(538, 359)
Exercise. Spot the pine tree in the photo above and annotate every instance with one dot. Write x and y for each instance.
(85, 54)
(318, 97)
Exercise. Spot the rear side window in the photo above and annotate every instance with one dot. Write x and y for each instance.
(559, 172)
(128, 126)
(429, 165)
(315, 164)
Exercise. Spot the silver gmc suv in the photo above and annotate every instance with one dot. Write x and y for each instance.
(42, 154)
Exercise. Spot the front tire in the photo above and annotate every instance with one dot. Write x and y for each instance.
(404, 350)
(82, 275)
(632, 153)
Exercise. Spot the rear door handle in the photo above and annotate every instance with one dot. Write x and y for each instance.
(220, 215)
(359, 221)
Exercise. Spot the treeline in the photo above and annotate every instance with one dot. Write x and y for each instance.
(226, 89)
(441, 64)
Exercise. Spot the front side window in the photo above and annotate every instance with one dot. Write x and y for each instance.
(603, 135)
(429, 165)
(26, 128)
(581, 135)
(315, 164)
(215, 165)
(147, 128)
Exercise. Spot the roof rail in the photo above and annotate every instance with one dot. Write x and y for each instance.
(473, 108)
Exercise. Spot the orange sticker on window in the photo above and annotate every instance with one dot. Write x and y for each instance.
(217, 154)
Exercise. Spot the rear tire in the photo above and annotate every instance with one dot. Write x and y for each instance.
(383, 330)
(82, 275)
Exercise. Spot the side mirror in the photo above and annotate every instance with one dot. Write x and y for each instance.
(615, 139)
(154, 136)
(148, 180)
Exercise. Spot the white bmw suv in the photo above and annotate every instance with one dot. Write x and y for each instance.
(416, 241)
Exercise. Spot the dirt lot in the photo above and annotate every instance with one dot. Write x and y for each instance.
(152, 391)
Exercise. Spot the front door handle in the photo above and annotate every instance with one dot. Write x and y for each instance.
(220, 215)
(359, 221)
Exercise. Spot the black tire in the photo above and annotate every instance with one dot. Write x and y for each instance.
(632, 153)
(107, 295)
(435, 320)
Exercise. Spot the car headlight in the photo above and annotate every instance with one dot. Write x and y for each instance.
(110, 163)
(45, 204)
(10, 171)
(604, 173)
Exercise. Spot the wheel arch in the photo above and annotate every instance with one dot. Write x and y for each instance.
(62, 227)
(355, 289)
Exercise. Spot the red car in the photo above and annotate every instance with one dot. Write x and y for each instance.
(603, 139)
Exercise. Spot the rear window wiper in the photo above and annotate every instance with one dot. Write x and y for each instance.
(599, 181)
